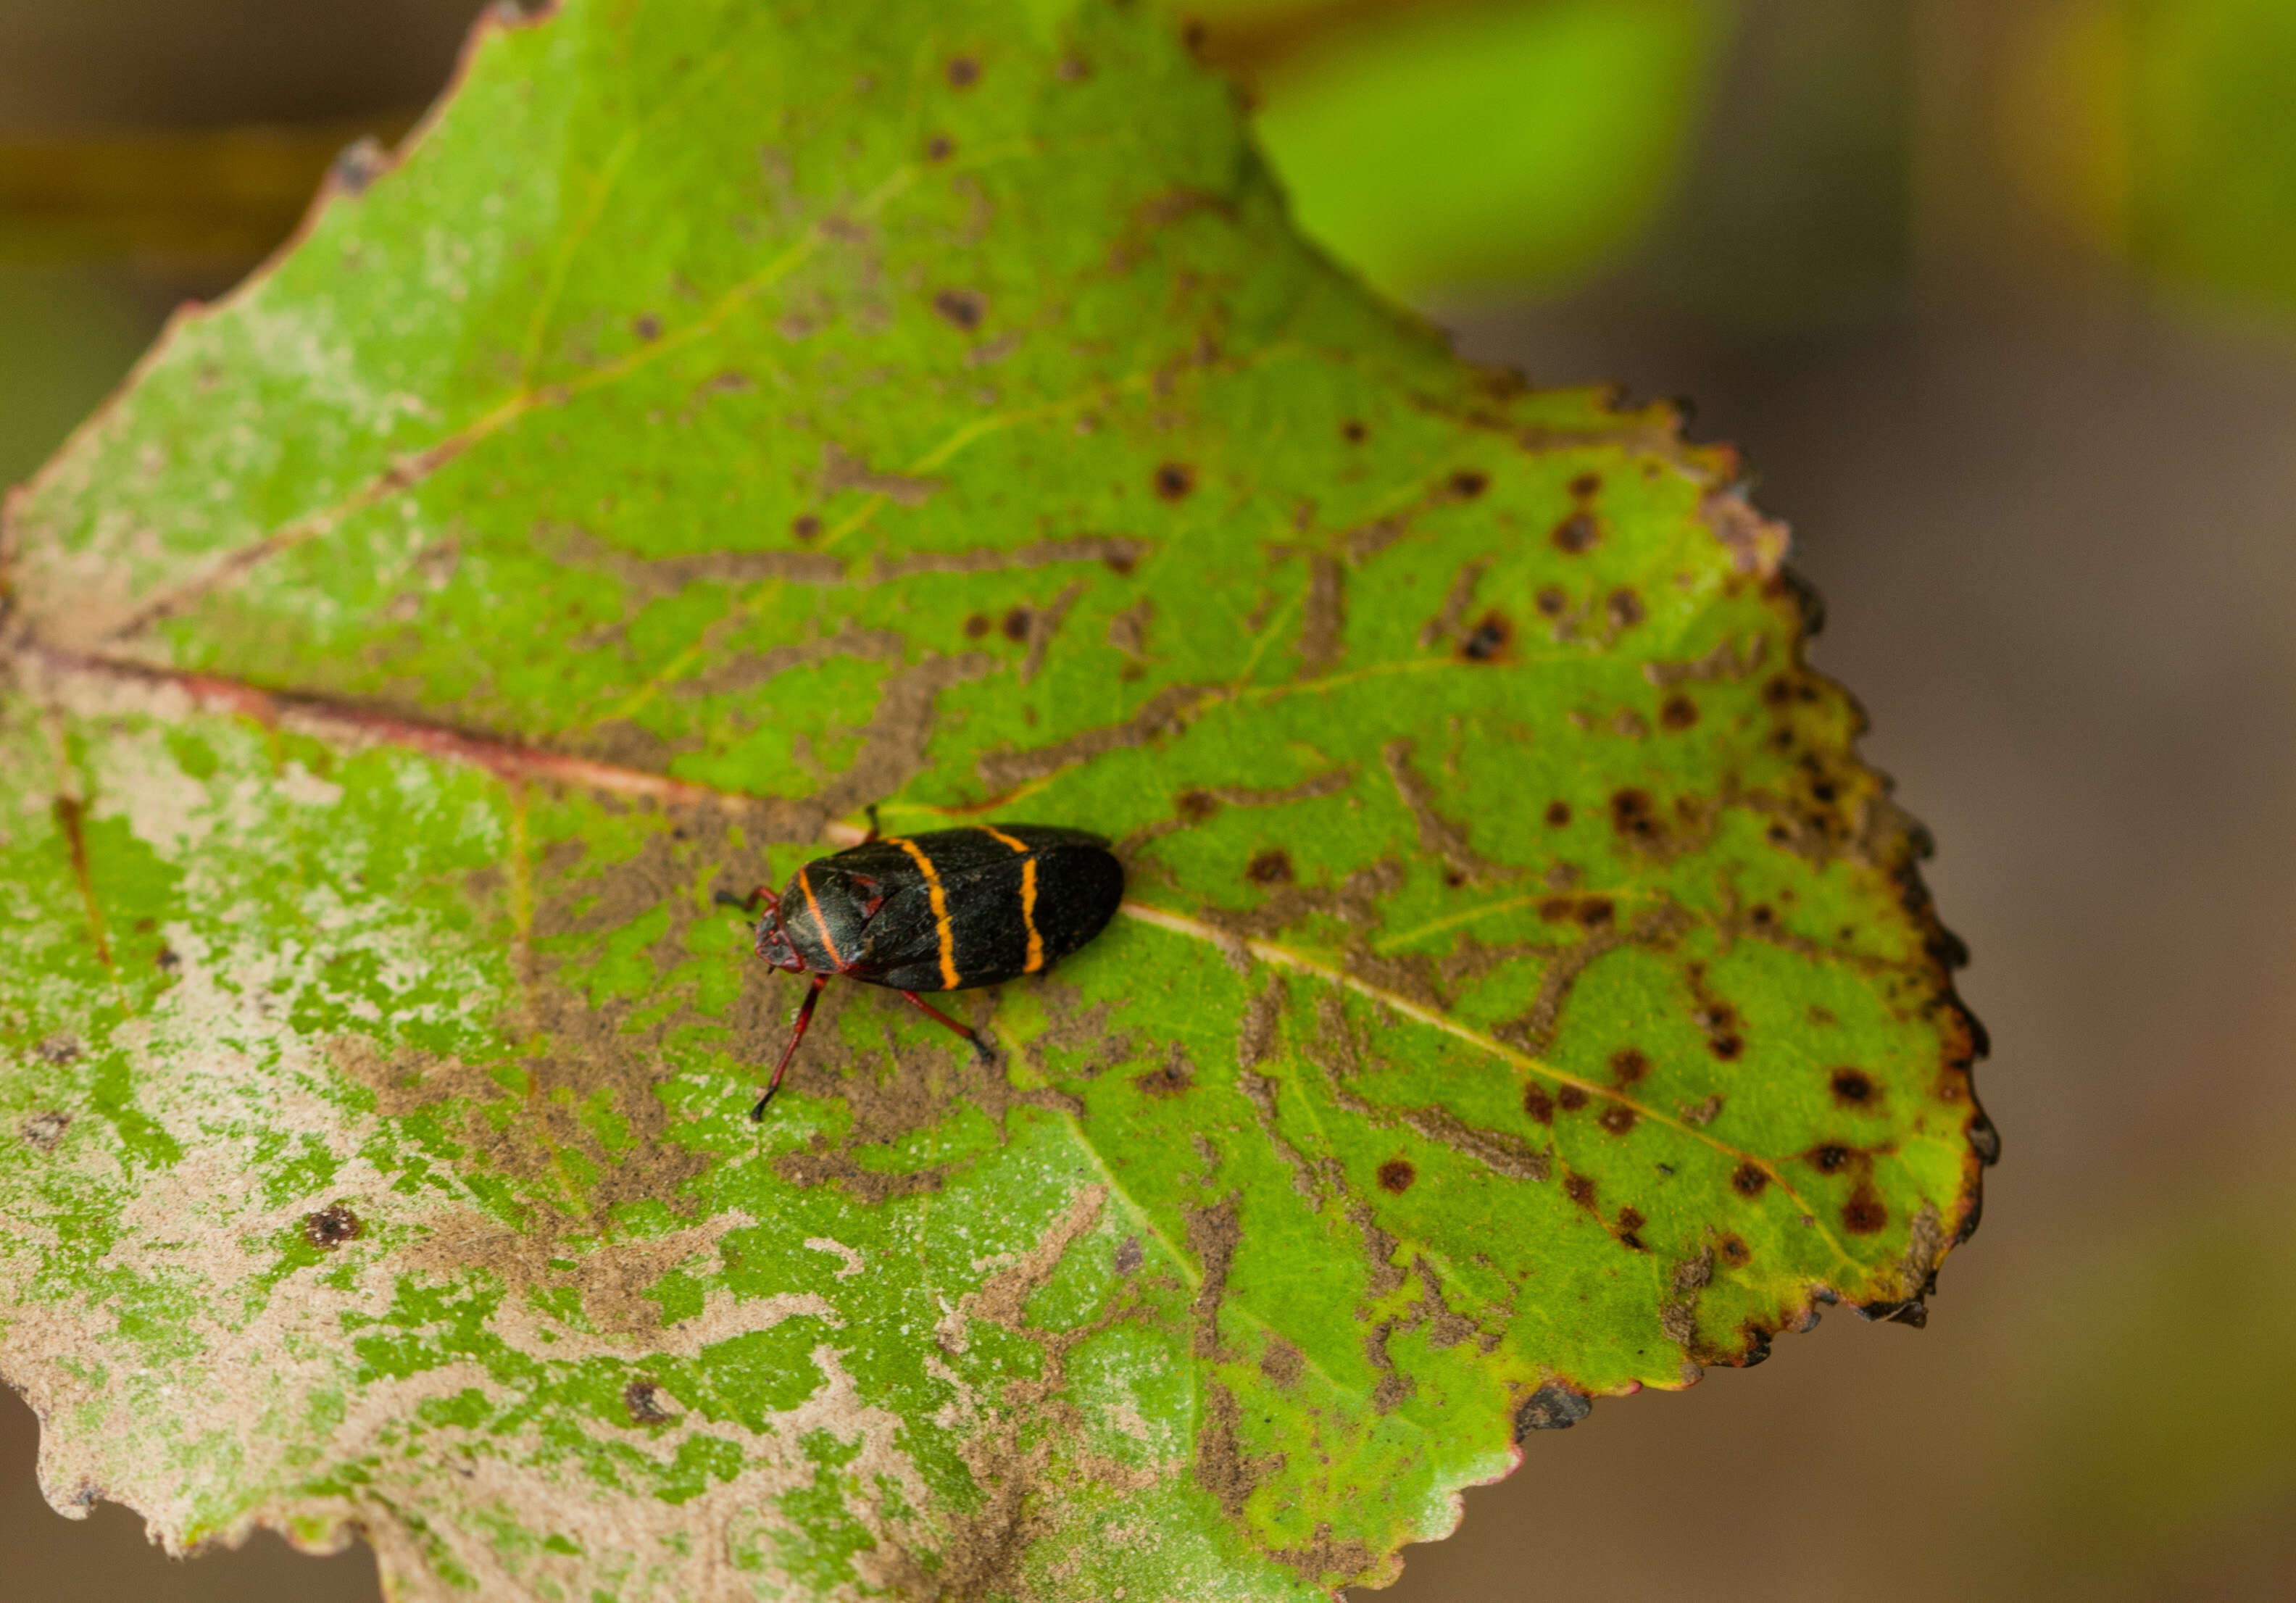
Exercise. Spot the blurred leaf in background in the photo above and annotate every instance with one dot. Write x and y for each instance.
(2162, 130)
(1473, 150)
(2213, 112)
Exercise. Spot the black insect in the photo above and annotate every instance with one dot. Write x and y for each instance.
(944, 911)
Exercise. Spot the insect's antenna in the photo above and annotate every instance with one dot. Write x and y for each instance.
(763, 895)
(875, 829)
(760, 895)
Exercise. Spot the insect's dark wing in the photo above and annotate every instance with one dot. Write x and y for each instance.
(1052, 838)
(901, 947)
(1008, 918)
(907, 950)
(988, 933)
(1079, 888)
(976, 906)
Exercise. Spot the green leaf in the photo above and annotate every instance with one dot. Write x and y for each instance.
(2213, 179)
(722, 418)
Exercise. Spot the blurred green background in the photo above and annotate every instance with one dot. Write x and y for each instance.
(1999, 297)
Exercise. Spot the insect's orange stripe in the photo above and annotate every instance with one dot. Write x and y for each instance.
(991, 830)
(1029, 917)
(948, 974)
(821, 924)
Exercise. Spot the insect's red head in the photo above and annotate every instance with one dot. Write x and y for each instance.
(774, 944)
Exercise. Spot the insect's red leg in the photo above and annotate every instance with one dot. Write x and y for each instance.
(762, 896)
(979, 1050)
(875, 829)
(804, 1018)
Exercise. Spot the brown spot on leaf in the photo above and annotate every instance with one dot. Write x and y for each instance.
(331, 1227)
(964, 72)
(1213, 1233)
(1196, 806)
(1854, 1088)
(1174, 480)
(976, 625)
(1282, 1362)
(1597, 912)
(1489, 639)
(1580, 1188)
(940, 147)
(1129, 1254)
(1175, 1076)
(1678, 712)
(43, 1131)
(1255, 1037)
(1325, 1562)
(647, 1404)
(1538, 1104)
(1628, 1064)
(1831, 1158)
(1324, 619)
(1864, 1214)
(841, 470)
(1553, 1406)
(1630, 1224)
(1572, 1097)
(1353, 433)
(1016, 625)
(1558, 813)
(1749, 1179)
(1735, 1252)
(962, 308)
(1467, 484)
(1586, 485)
(1625, 608)
(1395, 1388)
(1576, 534)
(1635, 815)
(1551, 602)
(870, 1187)
(805, 527)
(1396, 1176)
(647, 327)
(1271, 867)
(1617, 1117)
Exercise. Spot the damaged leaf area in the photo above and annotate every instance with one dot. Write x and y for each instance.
(718, 418)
